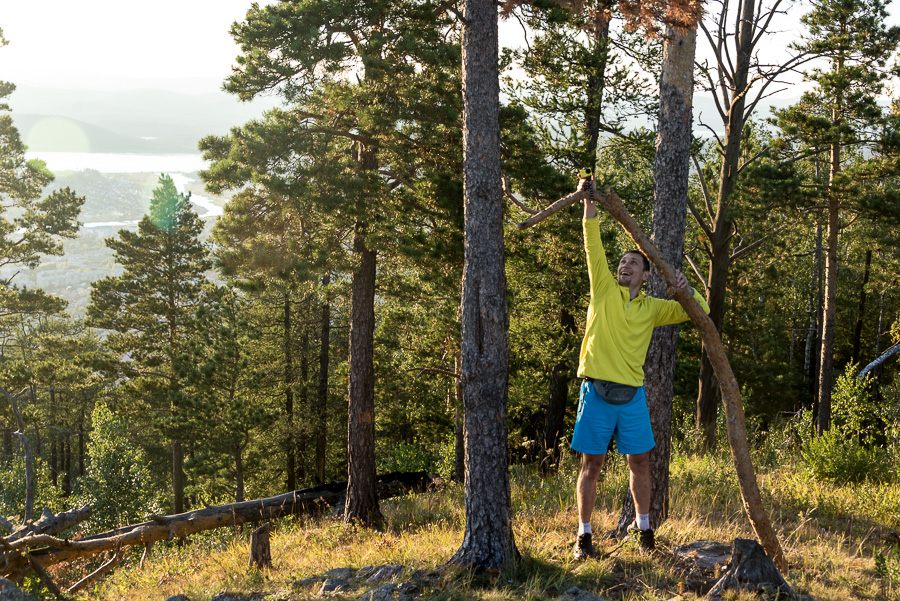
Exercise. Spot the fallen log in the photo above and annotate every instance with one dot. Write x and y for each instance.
(49, 523)
(49, 550)
(731, 393)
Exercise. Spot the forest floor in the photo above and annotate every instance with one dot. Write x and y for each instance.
(841, 541)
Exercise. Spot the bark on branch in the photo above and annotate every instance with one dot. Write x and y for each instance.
(556, 206)
(731, 395)
(884, 357)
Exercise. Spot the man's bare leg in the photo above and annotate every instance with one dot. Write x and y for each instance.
(639, 466)
(586, 493)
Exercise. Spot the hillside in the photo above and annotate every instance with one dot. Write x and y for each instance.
(134, 121)
(112, 201)
(838, 547)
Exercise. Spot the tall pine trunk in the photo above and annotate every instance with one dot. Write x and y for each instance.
(288, 349)
(322, 389)
(362, 498)
(829, 312)
(861, 310)
(362, 502)
(670, 170)
(488, 541)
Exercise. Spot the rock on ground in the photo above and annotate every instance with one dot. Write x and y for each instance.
(576, 594)
(10, 592)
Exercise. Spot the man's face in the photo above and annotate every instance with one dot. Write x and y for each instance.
(631, 270)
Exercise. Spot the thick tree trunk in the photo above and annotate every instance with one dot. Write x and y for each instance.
(488, 541)
(459, 429)
(288, 349)
(362, 503)
(671, 168)
(861, 310)
(593, 111)
(322, 391)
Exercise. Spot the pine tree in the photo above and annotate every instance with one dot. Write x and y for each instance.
(150, 310)
(841, 119)
(364, 89)
(30, 226)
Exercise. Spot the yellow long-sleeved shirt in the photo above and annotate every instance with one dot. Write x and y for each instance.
(618, 328)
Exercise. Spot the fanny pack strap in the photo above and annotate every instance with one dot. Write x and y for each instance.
(613, 393)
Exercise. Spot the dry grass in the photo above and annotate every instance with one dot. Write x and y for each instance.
(830, 533)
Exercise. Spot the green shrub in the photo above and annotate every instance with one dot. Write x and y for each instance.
(831, 458)
(406, 457)
(12, 489)
(887, 568)
(116, 483)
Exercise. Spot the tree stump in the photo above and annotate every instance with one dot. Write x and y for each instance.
(751, 570)
(260, 553)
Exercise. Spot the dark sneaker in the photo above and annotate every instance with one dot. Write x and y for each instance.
(648, 540)
(646, 537)
(584, 548)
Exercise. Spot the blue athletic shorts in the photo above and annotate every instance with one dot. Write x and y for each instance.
(598, 421)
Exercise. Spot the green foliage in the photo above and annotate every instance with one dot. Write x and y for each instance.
(831, 457)
(887, 568)
(117, 482)
(12, 488)
(406, 457)
(854, 413)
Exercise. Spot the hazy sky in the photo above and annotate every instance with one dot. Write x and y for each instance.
(110, 44)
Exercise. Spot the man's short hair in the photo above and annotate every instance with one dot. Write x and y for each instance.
(635, 251)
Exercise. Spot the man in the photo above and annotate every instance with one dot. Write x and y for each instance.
(620, 322)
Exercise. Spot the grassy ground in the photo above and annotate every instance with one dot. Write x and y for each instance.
(831, 535)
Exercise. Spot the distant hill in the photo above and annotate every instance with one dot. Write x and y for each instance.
(134, 121)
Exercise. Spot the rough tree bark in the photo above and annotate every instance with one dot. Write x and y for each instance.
(671, 168)
(488, 541)
(362, 503)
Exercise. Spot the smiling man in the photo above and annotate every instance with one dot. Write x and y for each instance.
(620, 322)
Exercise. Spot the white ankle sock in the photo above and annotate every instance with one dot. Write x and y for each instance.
(643, 521)
(584, 528)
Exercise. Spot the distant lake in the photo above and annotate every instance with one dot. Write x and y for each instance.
(121, 163)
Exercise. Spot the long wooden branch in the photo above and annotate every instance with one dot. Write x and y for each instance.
(50, 550)
(731, 394)
(556, 206)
